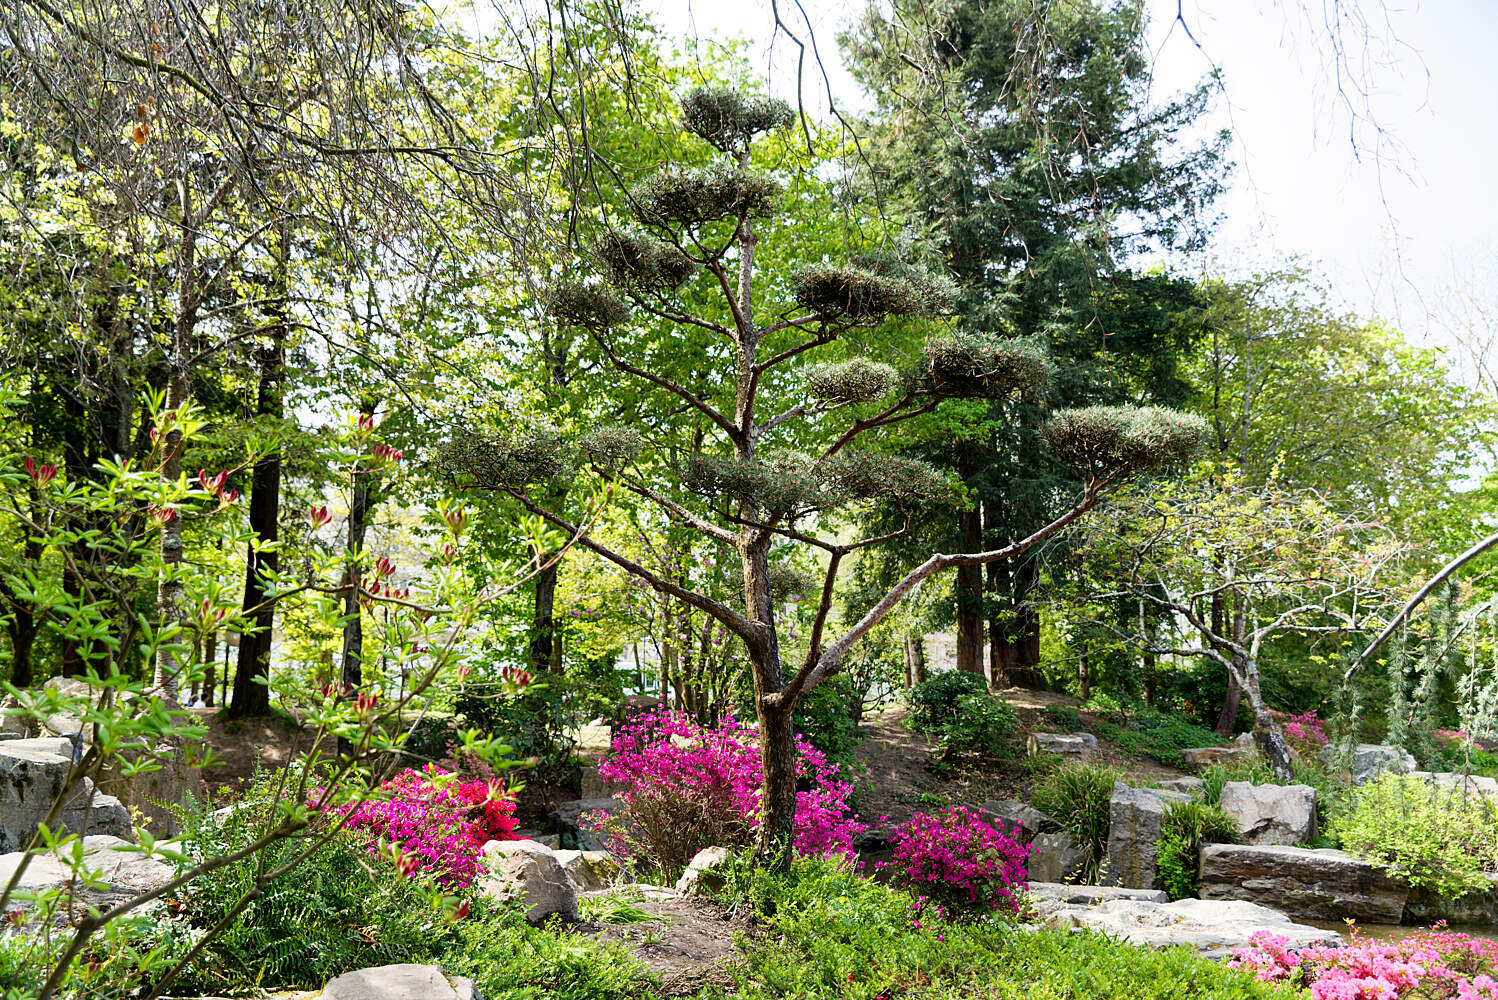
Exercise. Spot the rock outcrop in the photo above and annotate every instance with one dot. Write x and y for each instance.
(117, 869)
(1369, 760)
(32, 776)
(1215, 928)
(399, 982)
(531, 873)
(1134, 819)
(1056, 857)
(566, 819)
(1308, 885)
(1011, 814)
(1271, 814)
(704, 872)
(1068, 746)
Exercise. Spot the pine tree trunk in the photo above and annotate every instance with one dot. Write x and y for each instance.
(970, 599)
(778, 799)
(543, 621)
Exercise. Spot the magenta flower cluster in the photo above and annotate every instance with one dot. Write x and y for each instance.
(1433, 965)
(434, 821)
(1306, 732)
(686, 786)
(960, 860)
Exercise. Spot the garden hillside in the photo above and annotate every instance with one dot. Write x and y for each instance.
(497, 502)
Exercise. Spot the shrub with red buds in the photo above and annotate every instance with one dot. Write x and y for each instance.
(319, 517)
(40, 474)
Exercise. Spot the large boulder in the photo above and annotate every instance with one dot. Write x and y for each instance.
(524, 870)
(1068, 746)
(32, 776)
(68, 723)
(1308, 885)
(175, 780)
(1475, 785)
(588, 870)
(566, 820)
(1011, 814)
(1201, 758)
(1271, 814)
(1369, 760)
(93, 812)
(1056, 857)
(1214, 928)
(400, 982)
(1134, 819)
(704, 872)
(118, 869)
(1425, 906)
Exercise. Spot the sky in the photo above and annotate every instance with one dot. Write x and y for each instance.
(1382, 184)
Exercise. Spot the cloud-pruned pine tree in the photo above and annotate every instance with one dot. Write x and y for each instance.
(695, 230)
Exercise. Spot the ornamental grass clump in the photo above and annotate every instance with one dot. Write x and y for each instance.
(687, 786)
(432, 821)
(959, 861)
(1428, 964)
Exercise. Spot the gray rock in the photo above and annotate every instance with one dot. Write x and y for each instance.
(1214, 928)
(1068, 746)
(1011, 813)
(1134, 819)
(1091, 895)
(1369, 760)
(94, 813)
(1056, 857)
(586, 873)
(704, 872)
(1305, 884)
(1271, 814)
(174, 782)
(400, 982)
(32, 776)
(595, 785)
(63, 723)
(1201, 758)
(1475, 785)
(566, 820)
(1185, 783)
(1425, 906)
(529, 872)
(127, 870)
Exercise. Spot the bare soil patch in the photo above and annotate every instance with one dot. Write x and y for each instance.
(688, 947)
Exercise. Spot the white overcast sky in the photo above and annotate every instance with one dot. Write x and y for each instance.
(1402, 222)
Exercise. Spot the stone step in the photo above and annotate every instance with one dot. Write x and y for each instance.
(1305, 884)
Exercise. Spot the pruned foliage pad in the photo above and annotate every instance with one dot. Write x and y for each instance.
(611, 449)
(872, 287)
(496, 461)
(691, 196)
(851, 476)
(591, 307)
(856, 380)
(982, 366)
(791, 485)
(787, 581)
(1100, 439)
(633, 260)
(729, 120)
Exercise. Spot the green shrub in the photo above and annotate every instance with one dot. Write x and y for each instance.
(1186, 827)
(1078, 796)
(1162, 737)
(834, 936)
(826, 718)
(1254, 770)
(983, 728)
(1437, 838)
(534, 722)
(340, 910)
(1062, 717)
(933, 703)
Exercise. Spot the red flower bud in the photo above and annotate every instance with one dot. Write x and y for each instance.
(319, 517)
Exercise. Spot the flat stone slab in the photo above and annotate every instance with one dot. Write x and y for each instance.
(1306, 884)
(1091, 895)
(399, 982)
(1201, 758)
(127, 870)
(1214, 928)
(1068, 746)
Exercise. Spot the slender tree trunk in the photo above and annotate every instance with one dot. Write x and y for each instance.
(915, 659)
(970, 598)
(210, 661)
(353, 628)
(543, 622)
(1227, 720)
(1084, 676)
(778, 801)
(22, 629)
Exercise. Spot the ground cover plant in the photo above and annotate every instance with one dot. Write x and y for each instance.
(1079, 797)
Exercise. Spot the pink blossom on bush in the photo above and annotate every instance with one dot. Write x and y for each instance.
(1436, 964)
(1305, 732)
(958, 859)
(436, 821)
(687, 786)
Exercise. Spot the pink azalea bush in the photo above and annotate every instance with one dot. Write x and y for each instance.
(1436, 964)
(687, 786)
(434, 821)
(959, 860)
(1306, 732)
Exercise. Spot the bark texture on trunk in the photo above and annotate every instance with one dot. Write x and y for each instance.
(969, 593)
(543, 623)
(353, 628)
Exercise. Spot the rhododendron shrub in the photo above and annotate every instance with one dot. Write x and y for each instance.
(1306, 733)
(432, 821)
(1433, 965)
(686, 786)
(959, 860)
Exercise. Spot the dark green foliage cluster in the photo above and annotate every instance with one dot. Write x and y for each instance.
(1079, 797)
(588, 306)
(982, 366)
(849, 291)
(1097, 440)
(729, 120)
(826, 717)
(634, 260)
(933, 703)
(495, 461)
(788, 581)
(341, 910)
(981, 729)
(832, 935)
(856, 380)
(691, 196)
(1186, 827)
(534, 722)
(792, 485)
(1157, 735)
(1063, 717)
(611, 449)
